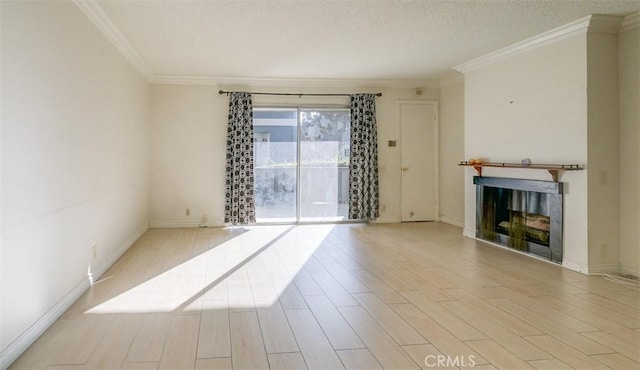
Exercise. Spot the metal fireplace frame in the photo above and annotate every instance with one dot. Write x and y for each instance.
(555, 191)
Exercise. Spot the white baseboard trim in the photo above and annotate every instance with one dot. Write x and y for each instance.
(179, 224)
(387, 220)
(29, 336)
(172, 224)
(575, 266)
(111, 259)
(630, 271)
(469, 233)
(604, 268)
(451, 222)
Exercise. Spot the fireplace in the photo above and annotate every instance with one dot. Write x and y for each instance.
(525, 215)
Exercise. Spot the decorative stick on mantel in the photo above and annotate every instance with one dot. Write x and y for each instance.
(553, 169)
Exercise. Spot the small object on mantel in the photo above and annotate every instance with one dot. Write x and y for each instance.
(526, 162)
(553, 169)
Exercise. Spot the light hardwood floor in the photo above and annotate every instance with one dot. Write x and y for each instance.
(394, 296)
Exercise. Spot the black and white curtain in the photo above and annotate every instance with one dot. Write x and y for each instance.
(240, 208)
(363, 166)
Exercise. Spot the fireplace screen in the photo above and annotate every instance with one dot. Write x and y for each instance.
(525, 215)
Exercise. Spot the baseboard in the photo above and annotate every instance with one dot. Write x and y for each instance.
(469, 233)
(575, 266)
(26, 339)
(451, 222)
(602, 268)
(179, 224)
(111, 259)
(29, 336)
(172, 224)
(630, 271)
(387, 220)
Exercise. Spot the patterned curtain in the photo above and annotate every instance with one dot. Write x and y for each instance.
(239, 208)
(363, 166)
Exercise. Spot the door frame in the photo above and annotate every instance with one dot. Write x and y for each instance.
(436, 151)
(299, 107)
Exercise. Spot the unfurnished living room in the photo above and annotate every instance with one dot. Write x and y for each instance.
(279, 184)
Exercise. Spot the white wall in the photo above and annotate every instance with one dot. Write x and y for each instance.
(75, 123)
(603, 156)
(188, 139)
(189, 136)
(629, 81)
(533, 105)
(452, 151)
(559, 103)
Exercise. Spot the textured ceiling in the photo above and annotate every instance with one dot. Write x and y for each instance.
(370, 40)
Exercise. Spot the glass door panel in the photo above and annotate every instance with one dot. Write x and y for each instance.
(324, 164)
(275, 157)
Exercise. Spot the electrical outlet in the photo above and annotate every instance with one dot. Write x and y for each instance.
(187, 212)
(94, 252)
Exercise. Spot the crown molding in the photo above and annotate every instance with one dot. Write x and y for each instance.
(97, 16)
(574, 28)
(292, 82)
(630, 22)
(592, 23)
(602, 23)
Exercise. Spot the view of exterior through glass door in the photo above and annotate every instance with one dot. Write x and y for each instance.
(301, 164)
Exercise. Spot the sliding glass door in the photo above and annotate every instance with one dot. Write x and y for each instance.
(276, 164)
(301, 164)
(324, 164)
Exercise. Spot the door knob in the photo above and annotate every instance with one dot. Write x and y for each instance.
(405, 169)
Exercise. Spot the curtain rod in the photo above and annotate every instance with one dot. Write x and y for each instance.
(291, 94)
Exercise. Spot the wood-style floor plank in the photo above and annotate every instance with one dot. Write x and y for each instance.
(426, 355)
(386, 351)
(617, 361)
(497, 355)
(223, 363)
(454, 324)
(337, 330)
(495, 331)
(447, 343)
(552, 364)
(331, 296)
(565, 353)
(214, 339)
(572, 338)
(332, 289)
(314, 345)
(275, 329)
(393, 324)
(358, 359)
(180, 348)
(286, 361)
(247, 347)
(115, 344)
(148, 344)
(139, 366)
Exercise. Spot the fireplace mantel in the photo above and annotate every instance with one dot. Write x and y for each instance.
(553, 169)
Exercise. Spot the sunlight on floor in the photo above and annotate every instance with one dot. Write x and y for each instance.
(235, 274)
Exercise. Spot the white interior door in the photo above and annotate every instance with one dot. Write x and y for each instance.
(419, 144)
